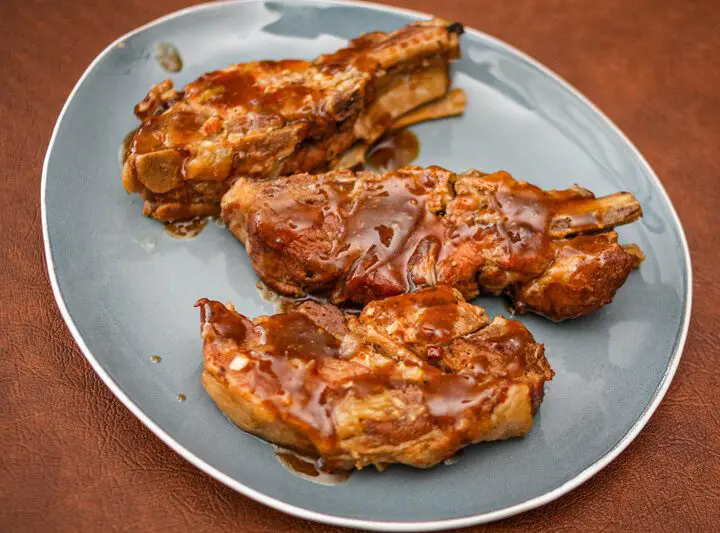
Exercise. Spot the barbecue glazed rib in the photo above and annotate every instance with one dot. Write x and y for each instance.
(411, 380)
(271, 118)
(361, 237)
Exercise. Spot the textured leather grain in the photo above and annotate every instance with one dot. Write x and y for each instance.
(74, 459)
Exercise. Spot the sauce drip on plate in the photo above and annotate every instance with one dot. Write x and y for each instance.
(395, 150)
(309, 469)
(186, 229)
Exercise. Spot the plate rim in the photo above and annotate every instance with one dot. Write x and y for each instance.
(374, 525)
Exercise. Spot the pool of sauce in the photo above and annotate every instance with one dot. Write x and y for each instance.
(168, 57)
(299, 370)
(395, 150)
(186, 229)
(309, 469)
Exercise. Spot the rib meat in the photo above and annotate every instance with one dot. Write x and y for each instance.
(271, 118)
(411, 380)
(358, 237)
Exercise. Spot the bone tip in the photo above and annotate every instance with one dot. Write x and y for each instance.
(634, 205)
(456, 28)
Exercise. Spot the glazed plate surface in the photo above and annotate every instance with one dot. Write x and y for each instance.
(127, 289)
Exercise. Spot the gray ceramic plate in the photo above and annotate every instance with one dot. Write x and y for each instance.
(126, 289)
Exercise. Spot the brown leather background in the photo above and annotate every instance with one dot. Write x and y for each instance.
(72, 458)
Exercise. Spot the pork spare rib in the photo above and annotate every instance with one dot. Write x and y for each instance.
(359, 237)
(271, 118)
(411, 380)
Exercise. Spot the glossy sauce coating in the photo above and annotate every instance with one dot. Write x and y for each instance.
(376, 230)
(225, 323)
(438, 313)
(293, 352)
(241, 88)
(386, 238)
(526, 215)
(249, 87)
(300, 371)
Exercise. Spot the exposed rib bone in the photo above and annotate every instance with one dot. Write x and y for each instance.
(406, 91)
(450, 105)
(595, 214)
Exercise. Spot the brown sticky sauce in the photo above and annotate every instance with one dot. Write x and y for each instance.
(295, 348)
(354, 56)
(240, 87)
(225, 322)
(186, 229)
(383, 236)
(299, 370)
(168, 57)
(286, 304)
(167, 130)
(296, 100)
(395, 150)
(379, 228)
(181, 397)
(309, 469)
(436, 323)
(127, 144)
(437, 317)
(155, 358)
(527, 213)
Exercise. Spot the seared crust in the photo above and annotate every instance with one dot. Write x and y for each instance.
(411, 380)
(583, 277)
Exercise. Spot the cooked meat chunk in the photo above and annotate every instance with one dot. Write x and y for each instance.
(411, 380)
(359, 237)
(271, 118)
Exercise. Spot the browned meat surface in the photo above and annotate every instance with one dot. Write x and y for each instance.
(411, 380)
(359, 237)
(270, 118)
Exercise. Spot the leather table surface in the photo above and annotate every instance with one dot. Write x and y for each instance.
(73, 458)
